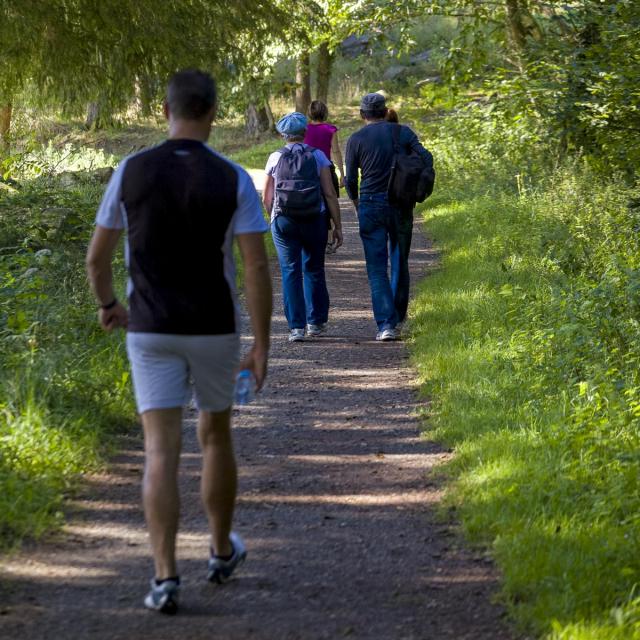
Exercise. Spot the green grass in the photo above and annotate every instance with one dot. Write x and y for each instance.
(64, 384)
(527, 341)
(255, 156)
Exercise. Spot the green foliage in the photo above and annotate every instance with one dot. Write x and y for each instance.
(528, 341)
(114, 50)
(64, 384)
(572, 70)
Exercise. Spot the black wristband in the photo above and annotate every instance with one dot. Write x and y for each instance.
(106, 307)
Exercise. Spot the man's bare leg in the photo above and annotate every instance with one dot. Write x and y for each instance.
(162, 443)
(219, 476)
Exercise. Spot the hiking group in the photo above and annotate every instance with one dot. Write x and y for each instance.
(301, 190)
(181, 205)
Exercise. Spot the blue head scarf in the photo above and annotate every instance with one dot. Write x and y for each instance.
(292, 125)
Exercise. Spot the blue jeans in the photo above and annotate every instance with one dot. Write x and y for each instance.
(400, 263)
(301, 249)
(379, 233)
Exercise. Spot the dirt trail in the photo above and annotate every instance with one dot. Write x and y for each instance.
(336, 506)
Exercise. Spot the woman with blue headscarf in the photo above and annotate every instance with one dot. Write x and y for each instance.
(297, 186)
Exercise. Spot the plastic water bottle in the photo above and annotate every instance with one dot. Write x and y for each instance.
(245, 387)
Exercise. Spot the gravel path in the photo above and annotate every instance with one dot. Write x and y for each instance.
(337, 506)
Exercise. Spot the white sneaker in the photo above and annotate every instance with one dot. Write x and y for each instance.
(387, 335)
(314, 330)
(163, 597)
(296, 335)
(220, 570)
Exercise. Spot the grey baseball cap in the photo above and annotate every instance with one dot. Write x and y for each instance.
(373, 102)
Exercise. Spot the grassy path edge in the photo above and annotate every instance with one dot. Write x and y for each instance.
(521, 372)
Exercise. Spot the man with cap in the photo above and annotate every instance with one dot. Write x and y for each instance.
(297, 176)
(371, 150)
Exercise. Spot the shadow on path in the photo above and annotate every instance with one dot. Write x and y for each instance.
(336, 505)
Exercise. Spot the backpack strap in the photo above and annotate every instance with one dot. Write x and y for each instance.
(395, 137)
(282, 152)
(307, 147)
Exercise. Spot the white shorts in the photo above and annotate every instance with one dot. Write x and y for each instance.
(166, 368)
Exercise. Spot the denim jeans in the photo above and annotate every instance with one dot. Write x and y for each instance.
(379, 233)
(400, 263)
(301, 249)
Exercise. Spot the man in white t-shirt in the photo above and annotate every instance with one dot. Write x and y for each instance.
(181, 204)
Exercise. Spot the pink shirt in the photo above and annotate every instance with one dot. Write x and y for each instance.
(320, 136)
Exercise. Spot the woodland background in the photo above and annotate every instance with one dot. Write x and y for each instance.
(528, 339)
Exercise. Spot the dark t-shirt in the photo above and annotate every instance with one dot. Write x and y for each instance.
(371, 150)
(181, 204)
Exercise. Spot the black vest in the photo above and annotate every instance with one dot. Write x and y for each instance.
(179, 199)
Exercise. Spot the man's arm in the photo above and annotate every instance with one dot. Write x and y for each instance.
(413, 143)
(257, 285)
(99, 256)
(351, 169)
(332, 203)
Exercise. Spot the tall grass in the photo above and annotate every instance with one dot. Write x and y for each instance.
(528, 342)
(63, 383)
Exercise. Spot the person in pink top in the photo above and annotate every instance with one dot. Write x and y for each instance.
(324, 136)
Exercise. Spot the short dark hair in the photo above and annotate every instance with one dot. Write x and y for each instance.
(373, 114)
(191, 94)
(318, 111)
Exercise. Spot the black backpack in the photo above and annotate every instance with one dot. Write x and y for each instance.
(410, 180)
(297, 186)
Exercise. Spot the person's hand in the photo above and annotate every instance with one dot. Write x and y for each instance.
(341, 182)
(337, 238)
(256, 362)
(114, 318)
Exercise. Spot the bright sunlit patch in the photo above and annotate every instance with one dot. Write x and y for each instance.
(114, 531)
(399, 459)
(103, 506)
(257, 175)
(356, 500)
(34, 569)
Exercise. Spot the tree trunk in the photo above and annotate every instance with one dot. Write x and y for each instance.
(257, 120)
(93, 116)
(269, 114)
(5, 124)
(145, 91)
(325, 61)
(98, 115)
(303, 83)
(515, 22)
